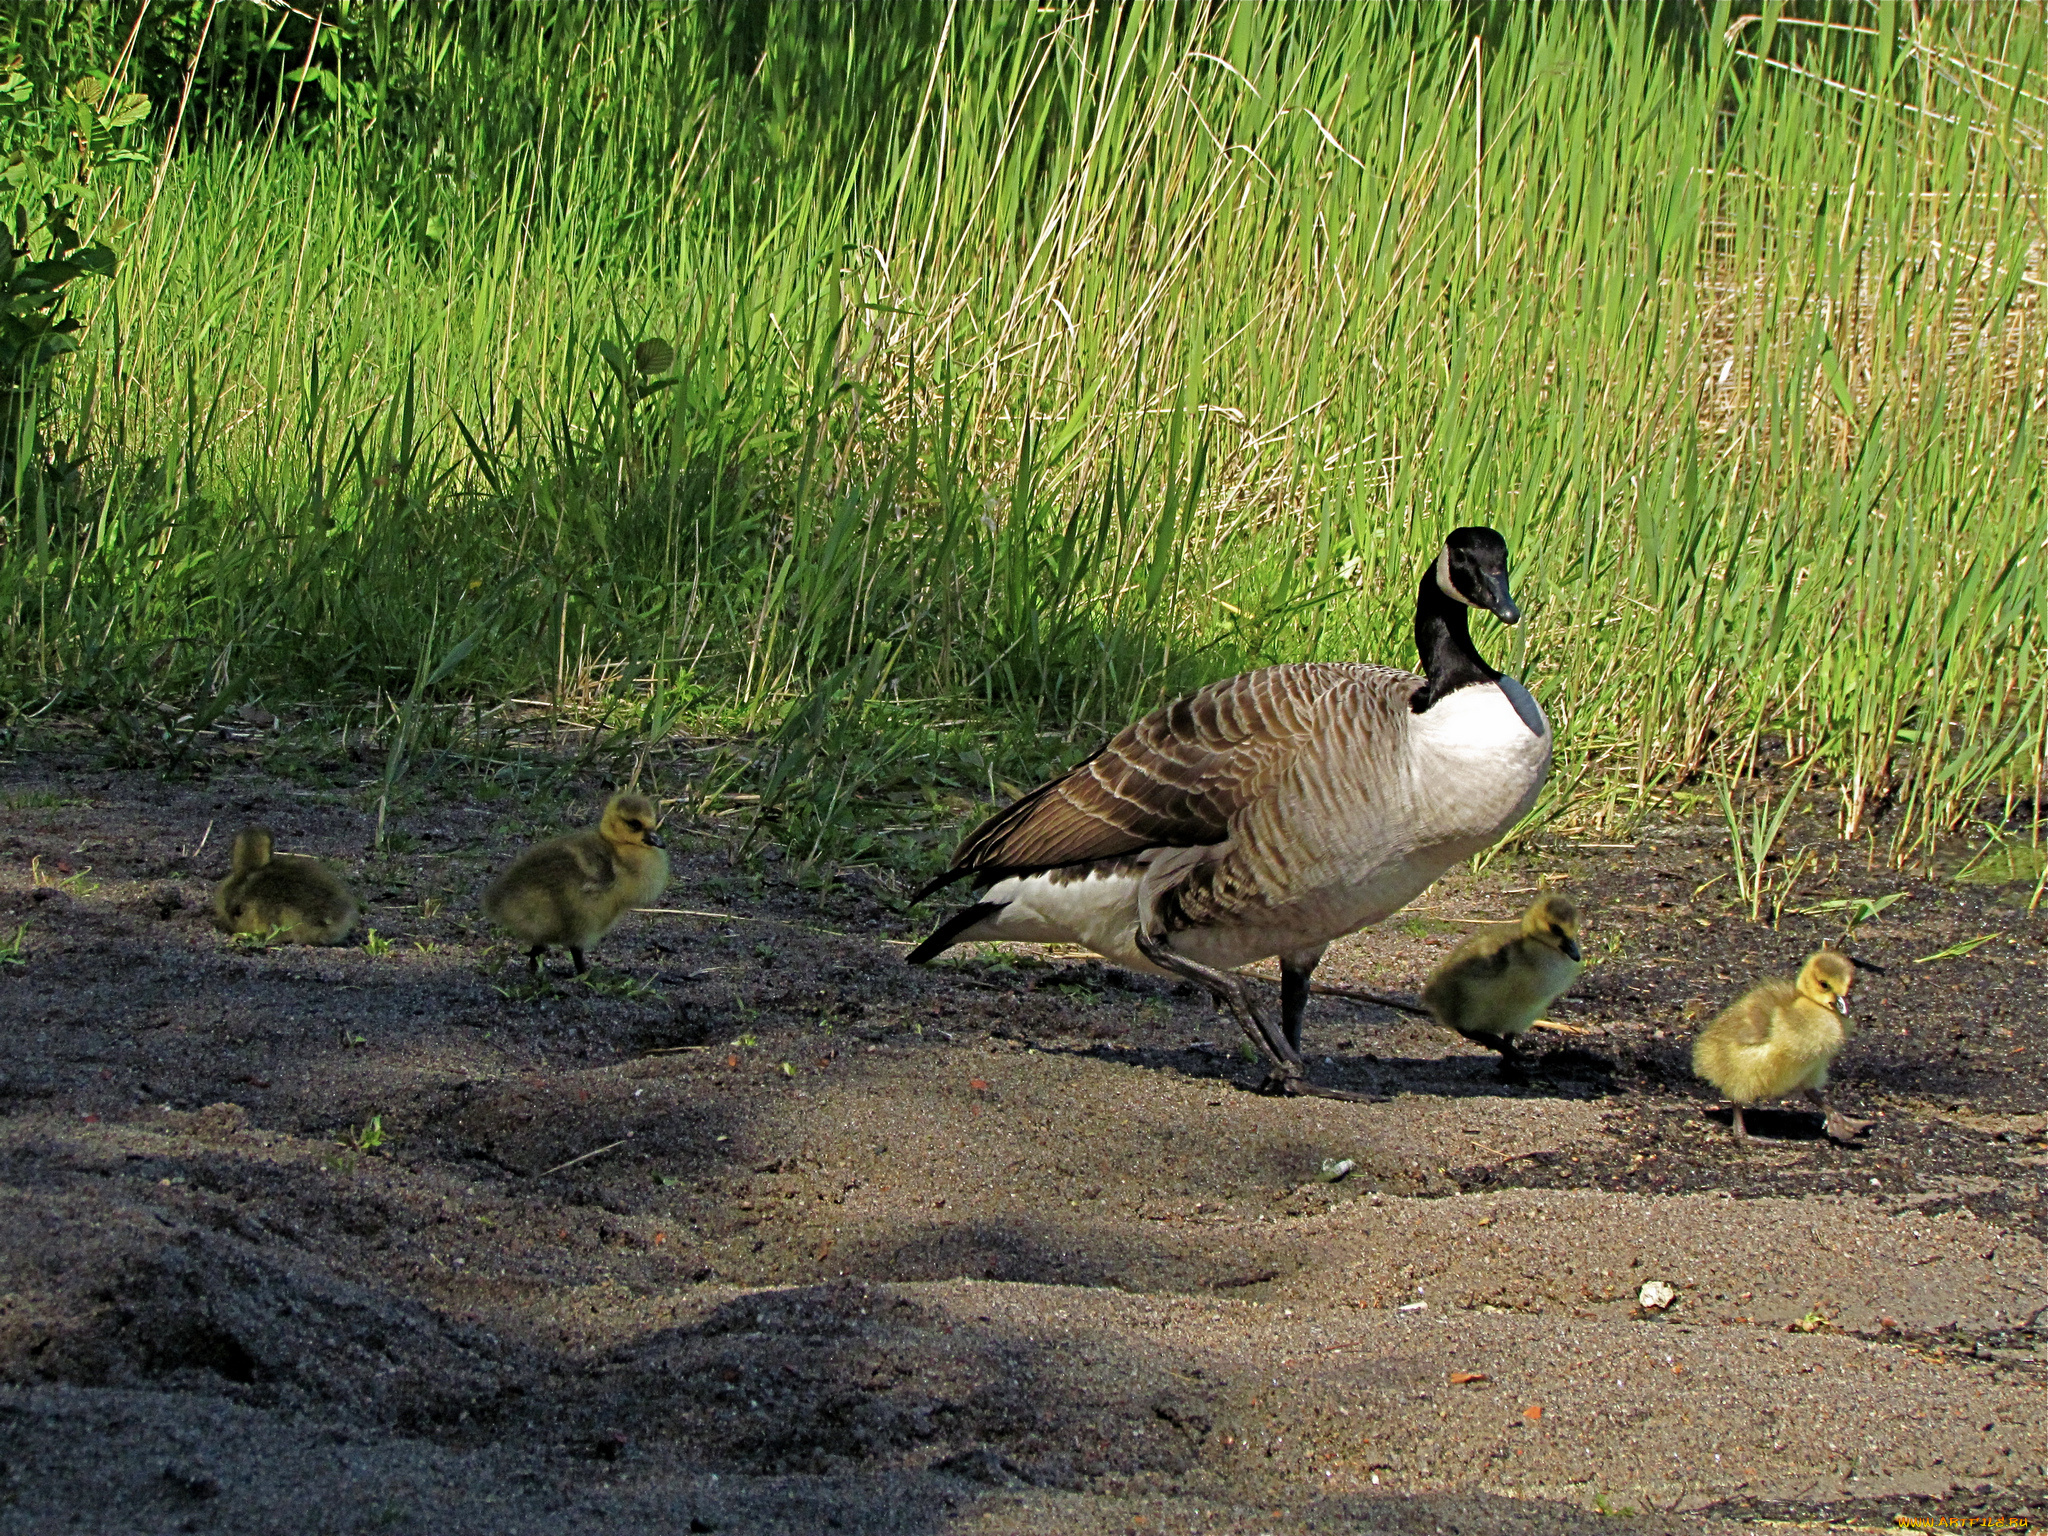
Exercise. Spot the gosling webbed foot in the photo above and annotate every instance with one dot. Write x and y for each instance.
(1846, 1128)
(1841, 1129)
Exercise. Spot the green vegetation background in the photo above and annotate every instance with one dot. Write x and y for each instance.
(923, 389)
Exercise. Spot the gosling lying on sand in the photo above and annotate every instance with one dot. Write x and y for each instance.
(267, 891)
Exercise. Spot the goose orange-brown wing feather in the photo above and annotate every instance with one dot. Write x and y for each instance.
(1174, 779)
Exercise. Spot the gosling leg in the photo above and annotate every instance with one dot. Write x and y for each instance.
(533, 959)
(1741, 1130)
(1840, 1127)
(1513, 1065)
(582, 965)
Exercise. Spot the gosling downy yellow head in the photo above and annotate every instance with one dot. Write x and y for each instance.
(571, 890)
(1780, 1037)
(1501, 979)
(288, 894)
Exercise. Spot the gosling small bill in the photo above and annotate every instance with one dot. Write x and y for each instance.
(1781, 1037)
(570, 891)
(288, 894)
(1502, 978)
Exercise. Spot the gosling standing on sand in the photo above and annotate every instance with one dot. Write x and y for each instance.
(287, 894)
(571, 890)
(1783, 1036)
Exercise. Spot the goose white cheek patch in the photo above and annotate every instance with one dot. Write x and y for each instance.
(1443, 579)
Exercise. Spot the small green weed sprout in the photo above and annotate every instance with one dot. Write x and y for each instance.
(63, 878)
(1957, 950)
(616, 984)
(1856, 910)
(358, 1142)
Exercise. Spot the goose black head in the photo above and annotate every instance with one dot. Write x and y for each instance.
(1473, 570)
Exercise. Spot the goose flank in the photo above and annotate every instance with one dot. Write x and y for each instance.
(569, 891)
(1271, 813)
(289, 894)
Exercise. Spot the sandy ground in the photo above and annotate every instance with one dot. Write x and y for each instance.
(766, 1231)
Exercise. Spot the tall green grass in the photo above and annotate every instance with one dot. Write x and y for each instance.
(1033, 362)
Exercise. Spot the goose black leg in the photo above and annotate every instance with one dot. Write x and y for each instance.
(1840, 1127)
(1284, 1071)
(1230, 992)
(1294, 985)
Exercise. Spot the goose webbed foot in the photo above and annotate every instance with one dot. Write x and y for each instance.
(1841, 1128)
(1301, 1087)
(1284, 1079)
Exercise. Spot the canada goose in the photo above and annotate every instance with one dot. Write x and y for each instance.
(1272, 812)
(1501, 978)
(266, 892)
(1780, 1036)
(570, 890)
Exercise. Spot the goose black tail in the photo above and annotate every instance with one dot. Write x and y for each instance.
(943, 936)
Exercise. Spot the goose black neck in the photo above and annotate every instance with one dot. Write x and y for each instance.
(1443, 639)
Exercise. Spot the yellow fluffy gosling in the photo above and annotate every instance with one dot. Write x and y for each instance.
(1499, 981)
(267, 891)
(1779, 1037)
(570, 890)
